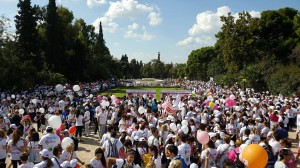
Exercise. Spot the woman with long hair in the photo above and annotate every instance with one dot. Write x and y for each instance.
(79, 125)
(56, 160)
(284, 158)
(156, 158)
(2, 146)
(33, 148)
(15, 147)
(99, 160)
(27, 125)
(45, 161)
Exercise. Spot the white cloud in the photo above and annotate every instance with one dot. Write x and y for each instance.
(92, 3)
(131, 33)
(130, 10)
(107, 25)
(208, 23)
(155, 18)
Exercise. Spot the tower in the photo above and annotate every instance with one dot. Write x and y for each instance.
(158, 56)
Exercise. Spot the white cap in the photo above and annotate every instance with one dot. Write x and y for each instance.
(171, 136)
(65, 164)
(44, 153)
(13, 126)
(217, 119)
(136, 138)
(142, 139)
(212, 134)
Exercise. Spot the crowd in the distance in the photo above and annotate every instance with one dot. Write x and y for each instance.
(140, 131)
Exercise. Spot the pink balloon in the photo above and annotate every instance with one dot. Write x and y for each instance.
(99, 97)
(117, 101)
(216, 107)
(203, 137)
(206, 102)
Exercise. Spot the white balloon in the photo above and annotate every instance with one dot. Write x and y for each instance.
(184, 122)
(13, 96)
(237, 108)
(232, 97)
(185, 129)
(41, 110)
(66, 141)
(21, 111)
(2, 95)
(144, 96)
(105, 103)
(76, 88)
(113, 97)
(173, 127)
(8, 98)
(91, 96)
(34, 101)
(79, 93)
(141, 110)
(59, 88)
(55, 121)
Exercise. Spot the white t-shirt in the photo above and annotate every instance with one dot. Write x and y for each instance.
(280, 164)
(107, 147)
(185, 152)
(265, 132)
(102, 117)
(56, 162)
(254, 138)
(120, 162)
(43, 164)
(153, 141)
(65, 156)
(26, 165)
(49, 141)
(15, 151)
(157, 161)
(96, 163)
(285, 121)
(212, 158)
(275, 145)
(223, 150)
(104, 138)
(87, 117)
(2, 151)
(79, 120)
(34, 146)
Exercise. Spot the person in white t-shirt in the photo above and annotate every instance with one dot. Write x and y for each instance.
(153, 139)
(15, 147)
(2, 146)
(123, 162)
(56, 160)
(184, 149)
(45, 160)
(79, 125)
(33, 148)
(102, 118)
(107, 147)
(24, 160)
(49, 141)
(69, 154)
(99, 160)
(211, 149)
(156, 158)
(87, 121)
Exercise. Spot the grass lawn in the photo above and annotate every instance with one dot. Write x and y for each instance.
(121, 91)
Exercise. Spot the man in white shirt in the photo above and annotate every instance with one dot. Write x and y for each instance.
(108, 149)
(49, 141)
(87, 121)
(153, 139)
(102, 118)
(184, 149)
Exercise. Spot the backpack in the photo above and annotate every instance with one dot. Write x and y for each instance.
(237, 163)
(112, 151)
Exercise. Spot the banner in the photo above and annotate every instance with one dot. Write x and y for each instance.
(174, 93)
(151, 93)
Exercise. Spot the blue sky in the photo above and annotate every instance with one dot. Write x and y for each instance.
(142, 28)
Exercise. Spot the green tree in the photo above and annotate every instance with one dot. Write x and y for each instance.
(197, 63)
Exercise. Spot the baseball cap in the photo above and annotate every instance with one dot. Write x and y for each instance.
(44, 153)
(13, 126)
(212, 134)
(136, 138)
(142, 139)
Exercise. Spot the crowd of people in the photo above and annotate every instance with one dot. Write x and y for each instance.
(140, 131)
